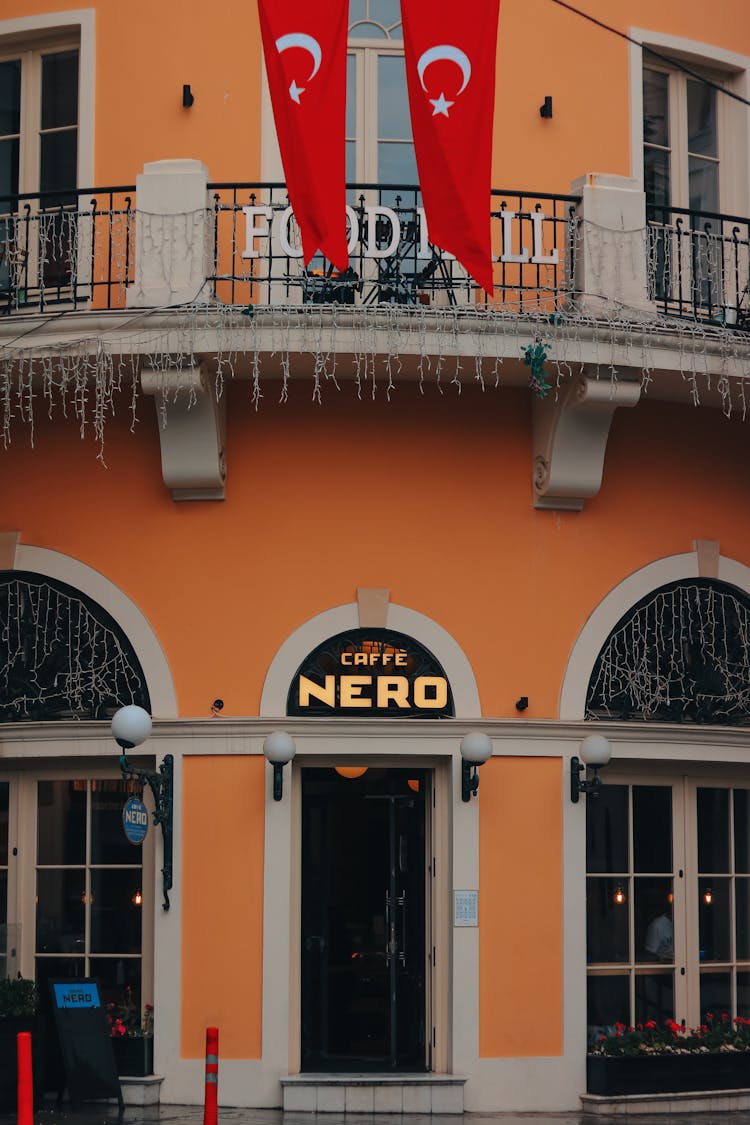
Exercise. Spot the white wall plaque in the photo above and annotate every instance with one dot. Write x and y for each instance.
(466, 908)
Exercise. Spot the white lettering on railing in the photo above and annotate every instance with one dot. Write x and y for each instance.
(507, 255)
(380, 220)
(537, 256)
(252, 231)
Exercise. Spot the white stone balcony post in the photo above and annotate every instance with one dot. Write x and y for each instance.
(174, 235)
(611, 263)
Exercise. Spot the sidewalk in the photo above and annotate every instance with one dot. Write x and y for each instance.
(104, 1114)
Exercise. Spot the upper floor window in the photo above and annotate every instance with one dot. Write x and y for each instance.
(681, 142)
(379, 145)
(38, 121)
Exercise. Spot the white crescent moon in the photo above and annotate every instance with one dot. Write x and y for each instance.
(453, 54)
(307, 43)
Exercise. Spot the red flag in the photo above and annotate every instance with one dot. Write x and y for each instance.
(450, 69)
(305, 51)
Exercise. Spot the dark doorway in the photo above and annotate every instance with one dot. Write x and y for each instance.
(363, 920)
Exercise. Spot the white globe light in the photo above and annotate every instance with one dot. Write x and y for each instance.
(279, 747)
(596, 751)
(476, 747)
(131, 724)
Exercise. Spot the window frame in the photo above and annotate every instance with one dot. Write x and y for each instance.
(679, 152)
(684, 784)
(31, 37)
(22, 880)
(730, 69)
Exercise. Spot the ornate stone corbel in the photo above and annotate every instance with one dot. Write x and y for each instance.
(570, 438)
(192, 431)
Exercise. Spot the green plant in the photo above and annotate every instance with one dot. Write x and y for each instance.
(534, 356)
(18, 997)
(717, 1035)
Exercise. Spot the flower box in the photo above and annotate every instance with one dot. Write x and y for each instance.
(134, 1055)
(668, 1073)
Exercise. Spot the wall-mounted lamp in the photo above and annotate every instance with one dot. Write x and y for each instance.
(130, 727)
(708, 896)
(137, 899)
(279, 748)
(476, 748)
(545, 109)
(619, 895)
(188, 97)
(596, 751)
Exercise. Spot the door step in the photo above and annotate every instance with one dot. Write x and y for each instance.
(373, 1093)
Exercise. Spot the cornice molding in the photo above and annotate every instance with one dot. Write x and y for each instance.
(95, 737)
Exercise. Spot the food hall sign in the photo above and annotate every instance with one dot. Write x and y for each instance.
(366, 672)
(266, 222)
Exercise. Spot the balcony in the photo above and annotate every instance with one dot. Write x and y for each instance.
(257, 253)
(80, 252)
(189, 283)
(699, 265)
(66, 252)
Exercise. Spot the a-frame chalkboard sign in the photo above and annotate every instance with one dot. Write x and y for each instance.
(85, 1041)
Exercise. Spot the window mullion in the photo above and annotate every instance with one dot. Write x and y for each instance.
(678, 132)
(31, 104)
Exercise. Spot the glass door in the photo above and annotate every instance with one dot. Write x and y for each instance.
(363, 919)
(668, 903)
(721, 897)
(634, 891)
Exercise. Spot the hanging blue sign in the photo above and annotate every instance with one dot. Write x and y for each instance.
(135, 820)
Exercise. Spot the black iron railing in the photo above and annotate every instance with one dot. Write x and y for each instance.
(72, 250)
(258, 257)
(699, 265)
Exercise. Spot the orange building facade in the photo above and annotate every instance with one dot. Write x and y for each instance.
(379, 514)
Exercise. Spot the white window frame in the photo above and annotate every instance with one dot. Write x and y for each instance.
(367, 53)
(684, 783)
(28, 37)
(679, 154)
(727, 67)
(23, 866)
(29, 157)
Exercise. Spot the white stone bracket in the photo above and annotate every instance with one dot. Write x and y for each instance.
(570, 437)
(192, 431)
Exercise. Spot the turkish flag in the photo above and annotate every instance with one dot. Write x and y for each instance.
(450, 69)
(304, 45)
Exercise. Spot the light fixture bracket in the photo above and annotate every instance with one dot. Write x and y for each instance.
(161, 784)
(578, 785)
(469, 781)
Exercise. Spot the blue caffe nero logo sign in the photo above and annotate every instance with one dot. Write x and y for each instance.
(367, 672)
(135, 820)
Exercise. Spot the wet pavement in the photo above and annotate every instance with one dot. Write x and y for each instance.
(105, 1114)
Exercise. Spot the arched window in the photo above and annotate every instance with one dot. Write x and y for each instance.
(62, 656)
(680, 655)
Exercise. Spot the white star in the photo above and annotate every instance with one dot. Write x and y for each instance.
(295, 91)
(441, 105)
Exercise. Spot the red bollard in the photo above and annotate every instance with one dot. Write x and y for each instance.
(211, 1104)
(25, 1080)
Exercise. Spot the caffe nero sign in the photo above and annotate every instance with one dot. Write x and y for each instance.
(371, 672)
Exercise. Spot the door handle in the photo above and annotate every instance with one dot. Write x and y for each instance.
(401, 900)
